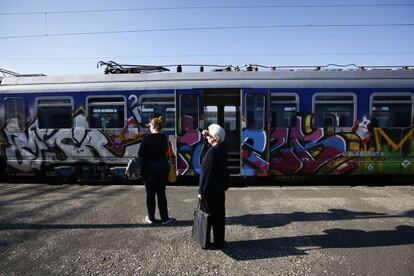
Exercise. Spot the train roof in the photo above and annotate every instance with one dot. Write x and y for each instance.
(226, 79)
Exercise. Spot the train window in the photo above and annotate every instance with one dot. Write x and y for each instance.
(106, 112)
(391, 110)
(334, 110)
(210, 115)
(158, 106)
(188, 112)
(54, 112)
(15, 114)
(255, 111)
(230, 117)
(283, 110)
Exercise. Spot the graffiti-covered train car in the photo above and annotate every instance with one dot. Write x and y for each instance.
(278, 123)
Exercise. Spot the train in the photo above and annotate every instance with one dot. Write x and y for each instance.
(279, 121)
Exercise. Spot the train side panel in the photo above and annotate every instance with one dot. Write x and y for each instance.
(77, 134)
(315, 123)
(378, 139)
(2, 137)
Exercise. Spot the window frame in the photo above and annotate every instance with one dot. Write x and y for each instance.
(178, 123)
(172, 96)
(297, 102)
(264, 111)
(392, 94)
(354, 102)
(4, 115)
(235, 116)
(87, 105)
(205, 114)
(54, 98)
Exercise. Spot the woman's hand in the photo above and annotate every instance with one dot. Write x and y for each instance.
(200, 196)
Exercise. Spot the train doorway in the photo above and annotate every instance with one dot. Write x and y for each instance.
(222, 106)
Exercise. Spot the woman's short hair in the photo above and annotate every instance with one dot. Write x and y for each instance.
(217, 132)
(157, 123)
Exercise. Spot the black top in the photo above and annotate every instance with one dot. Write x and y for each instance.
(154, 147)
(214, 177)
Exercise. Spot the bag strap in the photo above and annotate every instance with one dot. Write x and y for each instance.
(169, 152)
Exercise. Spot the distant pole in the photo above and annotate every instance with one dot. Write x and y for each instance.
(46, 23)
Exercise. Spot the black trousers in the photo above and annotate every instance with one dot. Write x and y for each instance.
(215, 206)
(155, 186)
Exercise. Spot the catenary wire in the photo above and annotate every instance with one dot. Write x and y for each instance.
(205, 55)
(208, 7)
(210, 28)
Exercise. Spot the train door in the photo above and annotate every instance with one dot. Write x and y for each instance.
(254, 136)
(13, 132)
(189, 123)
(222, 106)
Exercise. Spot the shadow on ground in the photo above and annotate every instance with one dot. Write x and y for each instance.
(333, 238)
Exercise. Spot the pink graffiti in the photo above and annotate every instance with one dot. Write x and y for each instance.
(191, 136)
(303, 148)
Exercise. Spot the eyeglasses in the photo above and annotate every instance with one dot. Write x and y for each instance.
(209, 135)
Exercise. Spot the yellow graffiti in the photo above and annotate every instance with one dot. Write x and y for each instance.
(308, 122)
(378, 133)
(354, 142)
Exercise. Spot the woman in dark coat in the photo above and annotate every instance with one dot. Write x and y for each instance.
(214, 181)
(153, 155)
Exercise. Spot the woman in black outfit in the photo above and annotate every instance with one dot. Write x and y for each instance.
(153, 155)
(214, 181)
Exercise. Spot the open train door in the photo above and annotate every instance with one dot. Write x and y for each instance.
(189, 123)
(254, 126)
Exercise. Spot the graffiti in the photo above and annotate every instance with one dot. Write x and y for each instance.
(304, 149)
(189, 149)
(403, 138)
(253, 150)
(397, 148)
(27, 150)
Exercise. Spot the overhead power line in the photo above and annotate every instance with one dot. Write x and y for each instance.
(208, 55)
(207, 7)
(209, 28)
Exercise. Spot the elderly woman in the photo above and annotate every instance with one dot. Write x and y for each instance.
(213, 183)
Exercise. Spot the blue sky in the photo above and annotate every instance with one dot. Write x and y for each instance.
(78, 54)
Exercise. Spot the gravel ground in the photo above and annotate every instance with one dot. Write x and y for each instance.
(99, 230)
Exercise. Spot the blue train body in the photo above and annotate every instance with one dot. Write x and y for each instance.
(277, 123)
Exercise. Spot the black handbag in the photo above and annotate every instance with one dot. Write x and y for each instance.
(133, 169)
(200, 221)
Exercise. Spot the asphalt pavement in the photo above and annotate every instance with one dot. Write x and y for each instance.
(100, 230)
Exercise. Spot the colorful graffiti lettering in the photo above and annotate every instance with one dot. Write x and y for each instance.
(253, 151)
(304, 149)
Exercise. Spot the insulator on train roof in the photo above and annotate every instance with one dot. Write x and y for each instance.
(318, 68)
(227, 68)
(201, 68)
(179, 68)
(115, 68)
(249, 68)
(273, 68)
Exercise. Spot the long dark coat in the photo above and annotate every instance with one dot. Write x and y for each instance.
(214, 177)
(214, 181)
